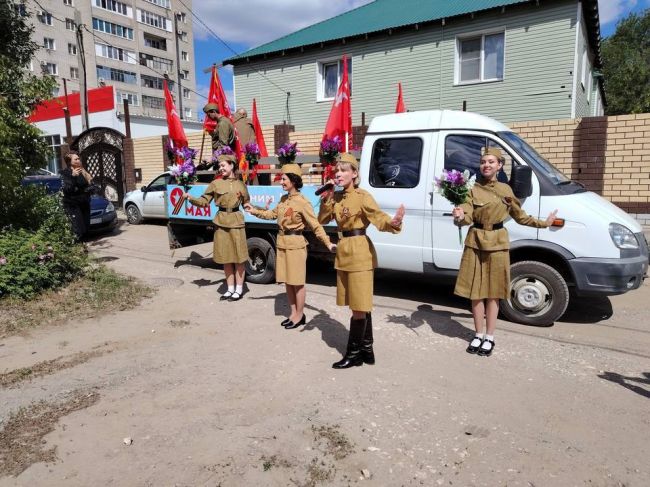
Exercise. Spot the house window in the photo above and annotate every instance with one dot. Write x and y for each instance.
(186, 93)
(156, 62)
(154, 82)
(112, 29)
(72, 49)
(583, 76)
(54, 161)
(70, 24)
(153, 102)
(45, 17)
(396, 162)
(160, 3)
(182, 17)
(154, 20)
(48, 43)
(480, 58)
(183, 36)
(68, 3)
(185, 56)
(125, 95)
(329, 78)
(114, 6)
(74, 73)
(55, 91)
(104, 50)
(114, 74)
(185, 74)
(155, 42)
(51, 68)
(188, 112)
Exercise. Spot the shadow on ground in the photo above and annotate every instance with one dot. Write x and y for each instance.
(630, 383)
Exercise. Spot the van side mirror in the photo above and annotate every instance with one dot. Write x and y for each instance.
(521, 181)
(143, 189)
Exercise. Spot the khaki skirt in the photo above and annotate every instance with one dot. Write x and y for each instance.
(291, 266)
(484, 274)
(354, 289)
(230, 246)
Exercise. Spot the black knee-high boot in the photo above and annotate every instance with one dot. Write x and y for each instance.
(367, 352)
(353, 356)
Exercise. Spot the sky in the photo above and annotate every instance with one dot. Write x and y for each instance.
(243, 24)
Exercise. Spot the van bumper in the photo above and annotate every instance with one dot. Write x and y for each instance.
(608, 277)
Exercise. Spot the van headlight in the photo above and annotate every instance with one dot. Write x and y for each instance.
(622, 237)
(109, 208)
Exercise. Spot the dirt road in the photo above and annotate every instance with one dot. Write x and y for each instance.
(218, 394)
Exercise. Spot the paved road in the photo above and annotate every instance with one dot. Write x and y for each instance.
(230, 398)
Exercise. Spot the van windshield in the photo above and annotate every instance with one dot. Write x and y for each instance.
(532, 157)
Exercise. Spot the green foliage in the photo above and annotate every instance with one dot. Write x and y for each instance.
(21, 145)
(626, 66)
(41, 257)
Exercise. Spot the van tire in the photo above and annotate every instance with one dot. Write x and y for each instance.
(260, 266)
(538, 294)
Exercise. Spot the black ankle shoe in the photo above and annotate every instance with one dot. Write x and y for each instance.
(285, 322)
(486, 353)
(291, 325)
(234, 297)
(471, 349)
(351, 359)
(225, 296)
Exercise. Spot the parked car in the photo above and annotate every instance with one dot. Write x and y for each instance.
(103, 216)
(148, 201)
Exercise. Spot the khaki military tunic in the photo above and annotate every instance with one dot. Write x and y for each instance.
(245, 129)
(485, 265)
(229, 236)
(355, 209)
(224, 134)
(293, 212)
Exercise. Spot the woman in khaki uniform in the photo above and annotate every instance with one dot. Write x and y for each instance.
(230, 247)
(354, 209)
(484, 275)
(292, 213)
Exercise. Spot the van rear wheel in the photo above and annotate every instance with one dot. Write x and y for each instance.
(538, 294)
(260, 267)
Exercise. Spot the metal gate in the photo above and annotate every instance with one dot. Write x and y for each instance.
(101, 150)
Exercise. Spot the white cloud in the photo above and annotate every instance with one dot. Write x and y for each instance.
(613, 10)
(254, 22)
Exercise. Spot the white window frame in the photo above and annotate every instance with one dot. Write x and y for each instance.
(472, 35)
(72, 48)
(128, 8)
(185, 56)
(585, 61)
(187, 111)
(159, 3)
(70, 24)
(320, 77)
(187, 94)
(49, 44)
(146, 17)
(69, 3)
(74, 70)
(45, 17)
(126, 95)
(55, 70)
(185, 74)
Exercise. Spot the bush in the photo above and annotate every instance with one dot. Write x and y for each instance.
(41, 257)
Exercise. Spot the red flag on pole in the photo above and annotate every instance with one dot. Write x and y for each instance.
(400, 108)
(174, 125)
(340, 119)
(259, 135)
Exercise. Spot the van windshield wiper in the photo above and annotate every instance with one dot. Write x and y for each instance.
(569, 181)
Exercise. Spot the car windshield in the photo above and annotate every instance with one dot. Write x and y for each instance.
(532, 157)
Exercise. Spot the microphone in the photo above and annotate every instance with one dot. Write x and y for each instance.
(324, 188)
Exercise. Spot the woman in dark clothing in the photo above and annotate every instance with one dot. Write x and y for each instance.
(76, 194)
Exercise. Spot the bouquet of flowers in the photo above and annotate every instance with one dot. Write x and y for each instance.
(252, 152)
(455, 186)
(182, 165)
(330, 149)
(287, 153)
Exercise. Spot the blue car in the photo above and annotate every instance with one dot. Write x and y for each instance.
(103, 217)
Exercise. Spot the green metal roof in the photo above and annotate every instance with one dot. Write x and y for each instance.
(382, 15)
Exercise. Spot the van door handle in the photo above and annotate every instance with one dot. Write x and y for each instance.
(447, 214)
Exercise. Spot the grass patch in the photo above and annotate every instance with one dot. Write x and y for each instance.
(21, 440)
(41, 369)
(98, 291)
(332, 441)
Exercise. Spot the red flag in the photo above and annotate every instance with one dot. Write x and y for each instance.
(400, 108)
(340, 119)
(176, 132)
(259, 135)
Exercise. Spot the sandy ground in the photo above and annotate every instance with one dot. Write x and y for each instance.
(218, 394)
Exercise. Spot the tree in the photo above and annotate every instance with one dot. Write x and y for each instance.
(626, 66)
(21, 144)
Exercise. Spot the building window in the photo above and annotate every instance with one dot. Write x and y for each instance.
(329, 78)
(396, 162)
(185, 74)
(114, 74)
(112, 29)
(116, 53)
(185, 56)
(156, 62)
(480, 58)
(51, 68)
(183, 36)
(155, 42)
(74, 73)
(125, 95)
(45, 17)
(72, 49)
(21, 9)
(154, 82)
(154, 20)
(48, 43)
(68, 3)
(160, 3)
(54, 162)
(114, 6)
(188, 112)
(590, 78)
(182, 17)
(55, 91)
(70, 24)
(585, 61)
(186, 93)
(153, 102)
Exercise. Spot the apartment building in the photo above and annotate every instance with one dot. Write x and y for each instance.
(128, 44)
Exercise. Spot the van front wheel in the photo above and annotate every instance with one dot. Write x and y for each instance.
(538, 294)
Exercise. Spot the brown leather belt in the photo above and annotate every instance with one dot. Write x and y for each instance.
(353, 233)
(228, 210)
(291, 232)
(494, 226)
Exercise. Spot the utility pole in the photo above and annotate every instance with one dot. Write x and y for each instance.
(177, 16)
(83, 82)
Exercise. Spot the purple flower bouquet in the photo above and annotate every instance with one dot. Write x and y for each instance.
(182, 167)
(252, 154)
(455, 186)
(330, 148)
(287, 153)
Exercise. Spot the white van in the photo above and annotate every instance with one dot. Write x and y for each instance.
(600, 250)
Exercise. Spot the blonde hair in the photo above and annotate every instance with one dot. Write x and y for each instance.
(347, 165)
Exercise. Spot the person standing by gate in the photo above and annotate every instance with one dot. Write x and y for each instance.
(230, 248)
(354, 209)
(76, 185)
